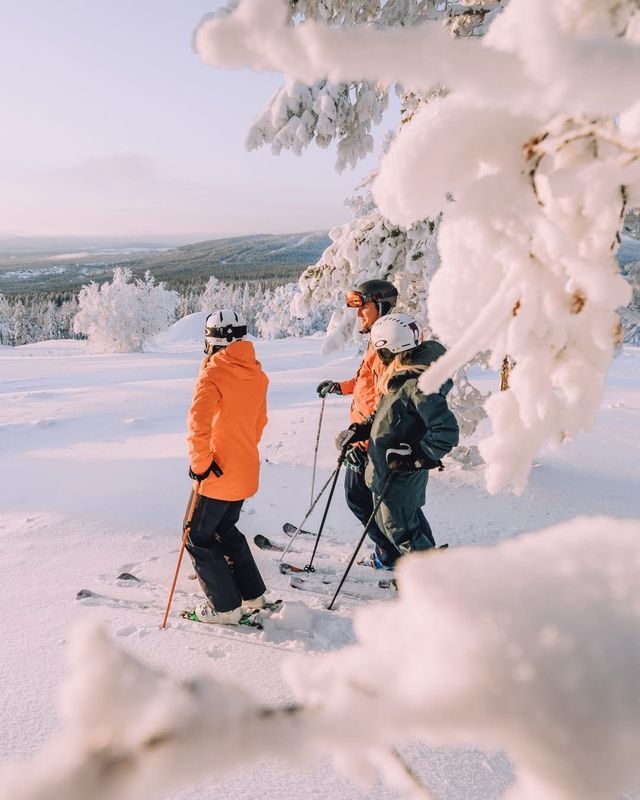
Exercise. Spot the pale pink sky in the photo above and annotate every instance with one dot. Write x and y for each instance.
(112, 126)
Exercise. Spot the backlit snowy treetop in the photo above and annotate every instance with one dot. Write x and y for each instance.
(345, 112)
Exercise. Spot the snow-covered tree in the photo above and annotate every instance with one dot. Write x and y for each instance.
(120, 316)
(344, 112)
(275, 319)
(369, 246)
(216, 295)
(632, 223)
(6, 322)
(630, 315)
(22, 324)
(531, 156)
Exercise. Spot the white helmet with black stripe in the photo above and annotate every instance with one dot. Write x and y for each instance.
(396, 333)
(222, 328)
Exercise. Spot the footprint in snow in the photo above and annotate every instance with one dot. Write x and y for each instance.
(132, 630)
(43, 423)
(126, 631)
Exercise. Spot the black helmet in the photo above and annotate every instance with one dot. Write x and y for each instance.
(381, 292)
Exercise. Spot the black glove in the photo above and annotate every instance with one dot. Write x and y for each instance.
(200, 476)
(328, 387)
(356, 432)
(356, 459)
(405, 458)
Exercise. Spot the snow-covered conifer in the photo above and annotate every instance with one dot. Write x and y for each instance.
(120, 316)
(6, 322)
(323, 112)
(630, 315)
(22, 324)
(216, 295)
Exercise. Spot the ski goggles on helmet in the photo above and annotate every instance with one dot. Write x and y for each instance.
(228, 332)
(356, 299)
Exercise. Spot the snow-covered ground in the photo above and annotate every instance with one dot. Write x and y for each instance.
(94, 483)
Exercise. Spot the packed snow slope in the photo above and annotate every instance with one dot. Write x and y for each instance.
(94, 484)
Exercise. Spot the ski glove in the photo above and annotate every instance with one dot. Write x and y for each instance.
(356, 432)
(405, 458)
(356, 459)
(328, 387)
(200, 476)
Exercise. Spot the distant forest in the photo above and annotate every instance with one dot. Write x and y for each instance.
(39, 293)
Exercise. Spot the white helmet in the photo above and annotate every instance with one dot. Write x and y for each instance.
(396, 333)
(222, 328)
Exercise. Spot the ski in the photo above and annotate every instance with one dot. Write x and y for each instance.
(104, 599)
(127, 577)
(289, 569)
(266, 544)
(327, 586)
(290, 530)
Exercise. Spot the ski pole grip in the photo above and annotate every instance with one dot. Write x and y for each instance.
(215, 468)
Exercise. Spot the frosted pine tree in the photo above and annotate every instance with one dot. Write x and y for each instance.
(370, 246)
(325, 112)
(630, 316)
(6, 322)
(632, 223)
(120, 316)
(216, 295)
(22, 324)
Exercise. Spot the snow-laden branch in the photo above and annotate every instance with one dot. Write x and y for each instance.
(131, 733)
(532, 646)
(548, 68)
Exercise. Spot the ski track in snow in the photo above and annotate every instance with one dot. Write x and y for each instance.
(94, 484)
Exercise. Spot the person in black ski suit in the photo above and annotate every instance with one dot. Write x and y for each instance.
(374, 299)
(408, 434)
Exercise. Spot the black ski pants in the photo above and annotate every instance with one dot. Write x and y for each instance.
(360, 501)
(221, 556)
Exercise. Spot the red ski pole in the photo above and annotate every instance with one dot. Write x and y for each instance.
(195, 493)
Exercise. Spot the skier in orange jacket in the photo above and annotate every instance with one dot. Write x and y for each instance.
(373, 299)
(225, 423)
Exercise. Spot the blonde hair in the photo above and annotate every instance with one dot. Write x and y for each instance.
(399, 364)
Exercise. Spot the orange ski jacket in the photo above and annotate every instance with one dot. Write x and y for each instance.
(226, 419)
(364, 387)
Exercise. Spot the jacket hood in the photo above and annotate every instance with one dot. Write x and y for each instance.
(237, 360)
(425, 353)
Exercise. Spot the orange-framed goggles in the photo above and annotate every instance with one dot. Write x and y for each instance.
(356, 299)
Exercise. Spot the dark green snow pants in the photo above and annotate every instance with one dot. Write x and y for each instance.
(400, 515)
